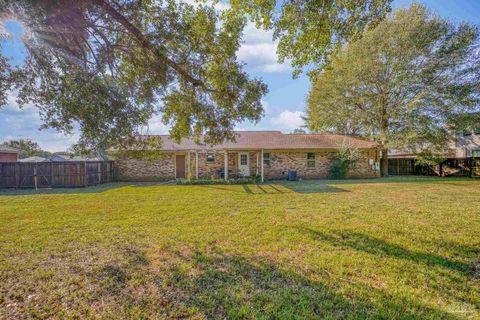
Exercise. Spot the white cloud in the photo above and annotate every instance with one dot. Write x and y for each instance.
(220, 6)
(24, 123)
(289, 120)
(259, 51)
(156, 126)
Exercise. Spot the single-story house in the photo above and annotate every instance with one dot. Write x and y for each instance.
(8, 154)
(268, 154)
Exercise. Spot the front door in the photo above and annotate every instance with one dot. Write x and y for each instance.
(180, 166)
(244, 164)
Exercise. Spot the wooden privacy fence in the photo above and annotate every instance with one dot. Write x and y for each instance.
(55, 174)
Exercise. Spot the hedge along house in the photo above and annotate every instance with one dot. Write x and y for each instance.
(267, 154)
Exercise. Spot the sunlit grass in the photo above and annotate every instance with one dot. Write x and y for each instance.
(383, 248)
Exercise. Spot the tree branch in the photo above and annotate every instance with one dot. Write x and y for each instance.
(146, 44)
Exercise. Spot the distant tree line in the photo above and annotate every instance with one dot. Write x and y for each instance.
(28, 148)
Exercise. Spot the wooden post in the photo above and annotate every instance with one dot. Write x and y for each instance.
(17, 175)
(35, 179)
(440, 170)
(85, 177)
(261, 163)
(51, 174)
(398, 167)
(226, 165)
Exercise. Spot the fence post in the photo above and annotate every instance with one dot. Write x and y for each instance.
(35, 179)
(17, 175)
(51, 175)
(85, 177)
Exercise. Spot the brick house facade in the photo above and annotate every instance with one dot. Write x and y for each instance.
(268, 154)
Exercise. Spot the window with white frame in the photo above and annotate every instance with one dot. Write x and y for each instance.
(243, 159)
(210, 157)
(266, 159)
(311, 160)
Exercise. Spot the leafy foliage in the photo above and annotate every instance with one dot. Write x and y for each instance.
(28, 148)
(404, 83)
(309, 32)
(345, 158)
(108, 66)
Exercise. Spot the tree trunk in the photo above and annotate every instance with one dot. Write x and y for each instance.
(384, 163)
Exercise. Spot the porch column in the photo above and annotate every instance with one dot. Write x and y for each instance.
(189, 166)
(258, 155)
(226, 165)
(262, 166)
(196, 165)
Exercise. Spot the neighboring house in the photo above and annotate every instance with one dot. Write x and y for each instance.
(66, 157)
(460, 160)
(60, 158)
(467, 144)
(268, 154)
(34, 159)
(8, 154)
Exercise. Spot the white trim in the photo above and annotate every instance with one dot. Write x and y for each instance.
(187, 171)
(262, 167)
(225, 168)
(196, 165)
(175, 164)
(245, 172)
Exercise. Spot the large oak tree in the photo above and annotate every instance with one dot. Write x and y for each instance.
(405, 83)
(110, 65)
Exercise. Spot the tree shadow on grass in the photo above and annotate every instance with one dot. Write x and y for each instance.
(78, 190)
(365, 243)
(214, 285)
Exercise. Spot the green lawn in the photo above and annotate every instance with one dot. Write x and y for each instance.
(383, 248)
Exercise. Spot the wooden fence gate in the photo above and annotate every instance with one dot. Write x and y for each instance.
(55, 174)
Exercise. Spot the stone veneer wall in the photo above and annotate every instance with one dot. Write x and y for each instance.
(282, 161)
(131, 169)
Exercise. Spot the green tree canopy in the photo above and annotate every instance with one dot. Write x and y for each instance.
(404, 83)
(109, 65)
(28, 148)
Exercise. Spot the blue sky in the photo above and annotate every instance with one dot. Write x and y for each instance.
(284, 104)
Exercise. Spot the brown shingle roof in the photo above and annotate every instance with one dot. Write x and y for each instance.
(273, 140)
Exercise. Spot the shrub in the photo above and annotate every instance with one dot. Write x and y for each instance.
(347, 156)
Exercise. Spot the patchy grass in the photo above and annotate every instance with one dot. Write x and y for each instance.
(383, 248)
